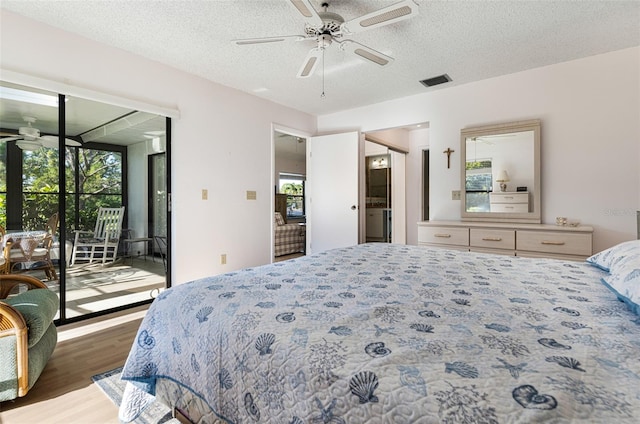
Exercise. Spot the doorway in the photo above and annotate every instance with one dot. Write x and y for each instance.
(87, 156)
(425, 185)
(378, 193)
(289, 176)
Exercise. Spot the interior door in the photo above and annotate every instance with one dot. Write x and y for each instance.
(398, 198)
(333, 187)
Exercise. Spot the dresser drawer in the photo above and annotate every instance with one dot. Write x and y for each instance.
(493, 239)
(509, 197)
(510, 207)
(444, 235)
(554, 242)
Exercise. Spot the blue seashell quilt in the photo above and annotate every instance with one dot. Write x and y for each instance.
(384, 333)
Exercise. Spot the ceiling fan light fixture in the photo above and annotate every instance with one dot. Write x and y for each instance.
(28, 145)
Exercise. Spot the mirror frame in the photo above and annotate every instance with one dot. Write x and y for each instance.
(533, 216)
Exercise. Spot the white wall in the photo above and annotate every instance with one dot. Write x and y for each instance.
(221, 142)
(418, 142)
(590, 112)
(288, 165)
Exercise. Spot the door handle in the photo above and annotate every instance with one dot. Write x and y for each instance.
(353, 207)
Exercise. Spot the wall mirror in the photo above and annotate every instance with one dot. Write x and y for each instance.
(500, 172)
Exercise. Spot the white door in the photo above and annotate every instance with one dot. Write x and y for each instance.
(398, 198)
(332, 188)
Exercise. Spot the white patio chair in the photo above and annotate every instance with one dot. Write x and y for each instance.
(102, 242)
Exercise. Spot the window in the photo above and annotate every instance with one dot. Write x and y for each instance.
(39, 187)
(478, 184)
(293, 186)
(99, 174)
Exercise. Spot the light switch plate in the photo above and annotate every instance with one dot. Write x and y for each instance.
(455, 195)
(205, 194)
(251, 195)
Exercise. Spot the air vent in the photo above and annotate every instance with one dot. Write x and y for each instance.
(440, 79)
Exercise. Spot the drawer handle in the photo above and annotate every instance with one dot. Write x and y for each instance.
(508, 197)
(509, 207)
(554, 243)
(442, 235)
(492, 238)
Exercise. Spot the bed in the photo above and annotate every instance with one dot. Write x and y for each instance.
(384, 333)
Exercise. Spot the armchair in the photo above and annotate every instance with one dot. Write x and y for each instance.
(102, 242)
(27, 333)
(288, 238)
(29, 250)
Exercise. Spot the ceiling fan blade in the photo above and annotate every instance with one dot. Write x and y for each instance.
(265, 40)
(51, 142)
(400, 11)
(11, 138)
(310, 63)
(310, 15)
(366, 53)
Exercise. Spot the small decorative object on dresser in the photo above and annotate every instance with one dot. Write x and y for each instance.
(531, 240)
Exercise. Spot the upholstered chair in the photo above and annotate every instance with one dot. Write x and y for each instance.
(27, 333)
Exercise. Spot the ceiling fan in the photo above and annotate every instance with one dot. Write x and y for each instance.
(29, 138)
(326, 28)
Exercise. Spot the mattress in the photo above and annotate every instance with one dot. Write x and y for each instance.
(383, 333)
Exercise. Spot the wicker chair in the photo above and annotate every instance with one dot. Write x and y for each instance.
(27, 333)
(34, 253)
(4, 255)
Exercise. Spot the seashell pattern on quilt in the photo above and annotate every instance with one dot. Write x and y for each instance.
(384, 333)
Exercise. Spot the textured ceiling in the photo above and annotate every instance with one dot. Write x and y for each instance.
(469, 41)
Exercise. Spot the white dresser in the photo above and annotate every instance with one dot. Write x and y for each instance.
(531, 240)
(511, 202)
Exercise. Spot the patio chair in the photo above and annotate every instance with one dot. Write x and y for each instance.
(101, 243)
(31, 250)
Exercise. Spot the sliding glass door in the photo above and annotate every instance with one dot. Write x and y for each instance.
(112, 167)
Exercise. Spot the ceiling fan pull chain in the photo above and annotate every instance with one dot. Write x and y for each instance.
(322, 96)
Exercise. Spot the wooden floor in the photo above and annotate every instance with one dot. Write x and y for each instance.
(287, 257)
(64, 393)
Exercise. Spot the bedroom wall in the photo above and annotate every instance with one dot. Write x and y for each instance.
(221, 142)
(590, 111)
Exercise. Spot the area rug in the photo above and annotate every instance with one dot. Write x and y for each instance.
(110, 383)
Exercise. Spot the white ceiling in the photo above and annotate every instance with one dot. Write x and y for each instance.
(86, 120)
(469, 41)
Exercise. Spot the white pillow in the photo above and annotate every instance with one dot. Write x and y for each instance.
(608, 258)
(624, 279)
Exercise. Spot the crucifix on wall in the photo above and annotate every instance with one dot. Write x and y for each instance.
(448, 152)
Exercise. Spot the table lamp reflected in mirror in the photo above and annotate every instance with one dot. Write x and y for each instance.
(503, 179)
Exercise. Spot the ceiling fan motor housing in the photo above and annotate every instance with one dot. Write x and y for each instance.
(331, 25)
(29, 132)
